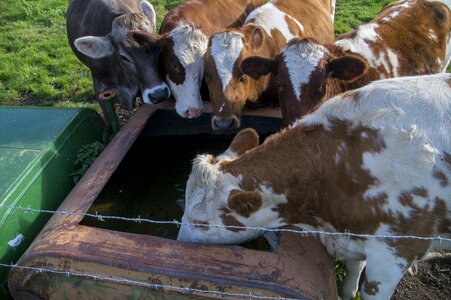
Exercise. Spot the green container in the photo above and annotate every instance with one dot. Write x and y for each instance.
(38, 147)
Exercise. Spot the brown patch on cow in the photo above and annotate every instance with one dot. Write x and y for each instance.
(438, 174)
(448, 81)
(352, 95)
(420, 222)
(293, 27)
(406, 199)
(371, 287)
(229, 220)
(171, 65)
(244, 203)
(201, 225)
(213, 160)
(420, 191)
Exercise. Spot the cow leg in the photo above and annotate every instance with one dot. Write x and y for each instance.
(384, 270)
(351, 283)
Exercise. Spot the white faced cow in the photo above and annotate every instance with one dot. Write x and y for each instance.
(406, 38)
(98, 32)
(183, 42)
(373, 161)
(265, 33)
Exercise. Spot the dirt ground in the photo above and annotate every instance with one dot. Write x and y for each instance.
(432, 281)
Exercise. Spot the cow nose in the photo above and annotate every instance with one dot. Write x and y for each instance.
(193, 113)
(158, 94)
(224, 123)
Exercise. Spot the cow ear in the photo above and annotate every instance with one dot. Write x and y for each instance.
(347, 68)
(256, 66)
(244, 203)
(257, 38)
(149, 12)
(94, 47)
(245, 140)
(149, 40)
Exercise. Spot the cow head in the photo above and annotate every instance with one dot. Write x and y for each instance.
(128, 69)
(214, 197)
(306, 73)
(182, 65)
(229, 87)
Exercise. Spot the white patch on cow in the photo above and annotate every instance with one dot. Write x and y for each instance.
(404, 4)
(393, 59)
(190, 45)
(391, 16)
(341, 247)
(361, 43)
(269, 17)
(408, 114)
(364, 135)
(225, 50)
(432, 35)
(377, 251)
(301, 59)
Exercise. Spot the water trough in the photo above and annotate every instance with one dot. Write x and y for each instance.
(80, 257)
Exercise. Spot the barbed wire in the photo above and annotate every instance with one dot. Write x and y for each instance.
(143, 284)
(139, 219)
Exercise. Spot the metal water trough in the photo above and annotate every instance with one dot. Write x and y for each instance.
(72, 261)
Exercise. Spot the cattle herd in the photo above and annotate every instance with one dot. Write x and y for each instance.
(367, 143)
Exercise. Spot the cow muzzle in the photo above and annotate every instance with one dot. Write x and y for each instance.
(156, 95)
(225, 123)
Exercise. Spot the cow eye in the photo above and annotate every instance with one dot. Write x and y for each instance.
(280, 88)
(125, 58)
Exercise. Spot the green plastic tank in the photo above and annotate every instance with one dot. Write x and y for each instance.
(38, 147)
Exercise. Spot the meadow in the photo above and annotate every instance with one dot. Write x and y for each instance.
(37, 66)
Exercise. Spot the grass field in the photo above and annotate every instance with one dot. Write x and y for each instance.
(38, 67)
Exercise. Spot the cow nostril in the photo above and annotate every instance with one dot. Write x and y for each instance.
(224, 123)
(192, 113)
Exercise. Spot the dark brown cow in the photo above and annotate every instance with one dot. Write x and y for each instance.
(406, 38)
(374, 161)
(265, 33)
(98, 34)
(183, 41)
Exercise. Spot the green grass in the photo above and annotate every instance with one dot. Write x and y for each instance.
(38, 67)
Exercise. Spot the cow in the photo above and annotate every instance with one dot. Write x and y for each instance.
(99, 35)
(406, 38)
(183, 41)
(265, 33)
(371, 161)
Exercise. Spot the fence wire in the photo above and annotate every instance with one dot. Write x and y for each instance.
(139, 219)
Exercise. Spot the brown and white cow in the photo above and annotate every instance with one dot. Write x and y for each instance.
(373, 161)
(265, 33)
(406, 38)
(98, 33)
(183, 41)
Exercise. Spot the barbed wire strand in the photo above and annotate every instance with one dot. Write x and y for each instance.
(143, 284)
(178, 223)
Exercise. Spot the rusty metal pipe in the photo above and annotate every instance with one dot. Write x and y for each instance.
(106, 101)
